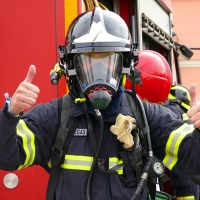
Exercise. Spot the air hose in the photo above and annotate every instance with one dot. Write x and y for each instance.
(96, 153)
(154, 167)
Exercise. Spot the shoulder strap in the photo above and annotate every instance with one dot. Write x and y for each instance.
(136, 111)
(65, 133)
(64, 109)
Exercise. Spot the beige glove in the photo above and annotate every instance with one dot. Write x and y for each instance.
(122, 128)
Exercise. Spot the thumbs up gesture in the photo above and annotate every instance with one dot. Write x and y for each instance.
(194, 112)
(26, 94)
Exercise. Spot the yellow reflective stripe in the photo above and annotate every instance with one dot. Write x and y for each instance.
(173, 144)
(170, 96)
(120, 171)
(49, 164)
(186, 197)
(28, 140)
(113, 161)
(77, 162)
(185, 117)
(185, 105)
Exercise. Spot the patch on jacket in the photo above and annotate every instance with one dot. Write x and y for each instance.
(80, 132)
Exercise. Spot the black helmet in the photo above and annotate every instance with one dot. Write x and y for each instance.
(99, 31)
(181, 95)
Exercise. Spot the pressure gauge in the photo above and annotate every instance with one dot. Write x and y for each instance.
(158, 167)
(154, 167)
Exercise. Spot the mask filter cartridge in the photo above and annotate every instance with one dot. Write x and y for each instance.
(100, 98)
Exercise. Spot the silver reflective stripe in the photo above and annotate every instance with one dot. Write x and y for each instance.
(113, 161)
(185, 117)
(75, 162)
(28, 140)
(173, 144)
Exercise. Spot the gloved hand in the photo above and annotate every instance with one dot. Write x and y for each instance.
(122, 128)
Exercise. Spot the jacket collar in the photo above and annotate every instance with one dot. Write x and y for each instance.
(118, 105)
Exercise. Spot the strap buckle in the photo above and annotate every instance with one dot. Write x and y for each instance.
(56, 156)
(56, 151)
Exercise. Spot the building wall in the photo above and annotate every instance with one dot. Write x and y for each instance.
(187, 27)
(167, 3)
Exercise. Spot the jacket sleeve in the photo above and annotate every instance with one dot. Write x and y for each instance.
(180, 112)
(174, 142)
(176, 110)
(28, 139)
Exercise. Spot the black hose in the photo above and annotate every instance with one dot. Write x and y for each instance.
(144, 176)
(146, 125)
(140, 186)
(96, 154)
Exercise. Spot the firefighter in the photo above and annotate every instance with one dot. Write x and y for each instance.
(98, 51)
(155, 87)
(179, 102)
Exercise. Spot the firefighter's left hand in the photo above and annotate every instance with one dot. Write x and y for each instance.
(194, 112)
(122, 128)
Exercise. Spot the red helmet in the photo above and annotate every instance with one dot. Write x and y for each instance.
(155, 77)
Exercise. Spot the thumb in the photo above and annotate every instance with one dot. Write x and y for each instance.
(31, 74)
(193, 95)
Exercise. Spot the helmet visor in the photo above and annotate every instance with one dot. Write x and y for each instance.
(98, 70)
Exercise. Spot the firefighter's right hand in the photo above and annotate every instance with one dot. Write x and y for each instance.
(122, 128)
(26, 94)
(194, 112)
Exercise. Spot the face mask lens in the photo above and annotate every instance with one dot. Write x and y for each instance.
(99, 70)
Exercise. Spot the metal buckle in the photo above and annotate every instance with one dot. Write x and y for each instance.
(57, 151)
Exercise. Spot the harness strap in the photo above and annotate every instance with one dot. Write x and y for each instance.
(130, 175)
(137, 112)
(63, 139)
(57, 151)
(101, 164)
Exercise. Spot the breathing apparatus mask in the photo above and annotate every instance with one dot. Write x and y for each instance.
(99, 76)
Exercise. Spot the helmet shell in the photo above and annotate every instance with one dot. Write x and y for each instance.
(155, 77)
(99, 31)
(181, 95)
